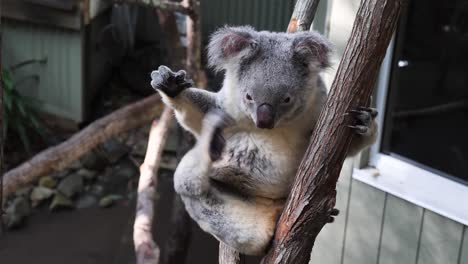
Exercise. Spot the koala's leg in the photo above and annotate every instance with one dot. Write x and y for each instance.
(190, 104)
(365, 127)
(245, 223)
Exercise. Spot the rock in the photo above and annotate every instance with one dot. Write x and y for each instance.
(86, 200)
(96, 190)
(40, 194)
(16, 212)
(115, 179)
(71, 185)
(109, 200)
(93, 160)
(24, 191)
(60, 202)
(47, 182)
(76, 165)
(113, 150)
(61, 174)
(125, 169)
(87, 174)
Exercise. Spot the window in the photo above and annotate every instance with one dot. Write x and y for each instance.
(426, 119)
(422, 95)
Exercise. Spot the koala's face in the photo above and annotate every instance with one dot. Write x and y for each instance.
(273, 71)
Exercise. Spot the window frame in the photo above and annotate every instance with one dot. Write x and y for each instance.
(425, 188)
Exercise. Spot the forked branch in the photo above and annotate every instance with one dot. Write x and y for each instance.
(314, 190)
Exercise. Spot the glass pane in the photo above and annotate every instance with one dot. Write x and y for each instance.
(427, 109)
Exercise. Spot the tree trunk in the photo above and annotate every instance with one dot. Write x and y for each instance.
(59, 157)
(313, 194)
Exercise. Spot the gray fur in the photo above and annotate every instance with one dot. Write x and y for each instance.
(238, 196)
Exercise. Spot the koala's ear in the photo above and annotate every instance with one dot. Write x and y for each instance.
(228, 43)
(312, 48)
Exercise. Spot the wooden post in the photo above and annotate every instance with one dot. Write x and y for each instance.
(313, 194)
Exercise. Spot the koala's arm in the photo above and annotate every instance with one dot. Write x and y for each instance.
(190, 104)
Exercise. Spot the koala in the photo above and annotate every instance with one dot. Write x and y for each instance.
(253, 133)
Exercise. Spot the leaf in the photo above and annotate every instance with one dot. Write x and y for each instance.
(38, 125)
(7, 80)
(23, 135)
(21, 107)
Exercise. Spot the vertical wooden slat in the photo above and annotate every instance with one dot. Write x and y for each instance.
(464, 247)
(329, 244)
(364, 224)
(440, 240)
(402, 221)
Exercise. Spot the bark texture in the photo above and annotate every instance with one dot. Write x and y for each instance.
(313, 194)
(303, 15)
(228, 255)
(146, 250)
(59, 157)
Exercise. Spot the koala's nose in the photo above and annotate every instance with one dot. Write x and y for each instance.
(265, 116)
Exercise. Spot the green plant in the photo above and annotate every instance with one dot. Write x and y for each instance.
(20, 112)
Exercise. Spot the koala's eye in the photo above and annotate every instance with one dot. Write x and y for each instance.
(248, 97)
(287, 100)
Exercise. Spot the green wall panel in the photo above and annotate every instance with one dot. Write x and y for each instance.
(400, 233)
(464, 247)
(60, 85)
(366, 209)
(329, 244)
(440, 240)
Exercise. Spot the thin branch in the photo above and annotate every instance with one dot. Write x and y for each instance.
(313, 195)
(228, 255)
(59, 157)
(303, 15)
(147, 252)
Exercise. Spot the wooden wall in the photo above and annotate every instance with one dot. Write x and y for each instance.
(376, 227)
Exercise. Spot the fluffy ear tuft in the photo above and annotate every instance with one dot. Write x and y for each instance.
(313, 48)
(227, 43)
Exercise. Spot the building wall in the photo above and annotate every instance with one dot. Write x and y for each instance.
(374, 226)
(261, 14)
(60, 79)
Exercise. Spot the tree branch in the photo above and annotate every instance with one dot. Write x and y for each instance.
(303, 15)
(228, 255)
(59, 157)
(313, 194)
(147, 252)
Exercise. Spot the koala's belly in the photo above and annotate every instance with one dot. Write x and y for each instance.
(258, 164)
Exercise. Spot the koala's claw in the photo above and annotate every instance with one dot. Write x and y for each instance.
(331, 218)
(169, 82)
(363, 116)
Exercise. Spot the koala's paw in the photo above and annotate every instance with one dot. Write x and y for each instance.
(364, 118)
(331, 217)
(169, 82)
(218, 120)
